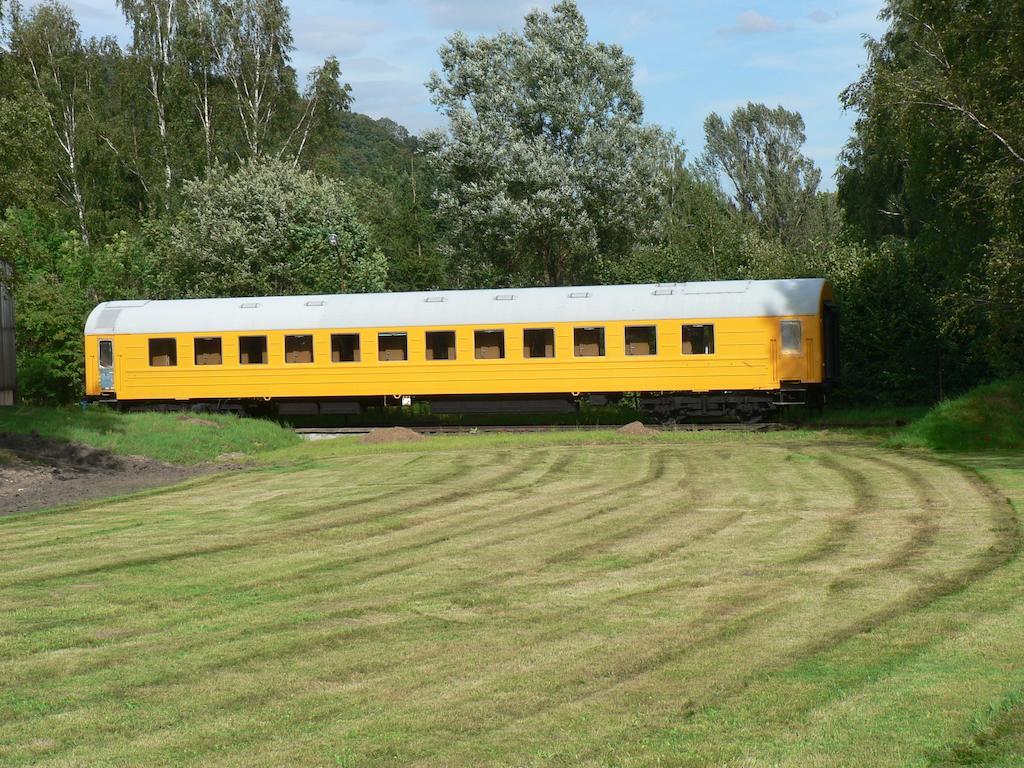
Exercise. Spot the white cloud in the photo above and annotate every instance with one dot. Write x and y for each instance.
(479, 14)
(403, 101)
(818, 16)
(643, 75)
(333, 36)
(95, 10)
(842, 57)
(861, 17)
(369, 65)
(754, 23)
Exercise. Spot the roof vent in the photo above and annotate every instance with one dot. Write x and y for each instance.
(721, 286)
(315, 303)
(435, 299)
(504, 297)
(663, 292)
(579, 295)
(250, 304)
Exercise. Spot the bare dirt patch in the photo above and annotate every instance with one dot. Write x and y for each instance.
(636, 428)
(392, 435)
(38, 472)
(197, 420)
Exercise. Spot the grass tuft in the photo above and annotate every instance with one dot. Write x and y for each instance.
(174, 437)
(990, 417)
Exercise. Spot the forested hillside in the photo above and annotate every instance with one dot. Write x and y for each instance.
(192, 162)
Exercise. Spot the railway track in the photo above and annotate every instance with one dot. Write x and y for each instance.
(327, 433)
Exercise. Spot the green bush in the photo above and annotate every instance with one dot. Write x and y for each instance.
(182, 438)
(990, 417)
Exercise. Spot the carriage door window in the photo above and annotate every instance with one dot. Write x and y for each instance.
(106, 364)
(792, 337)
(698, 339)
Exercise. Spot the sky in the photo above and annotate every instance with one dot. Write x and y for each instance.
(692, 57)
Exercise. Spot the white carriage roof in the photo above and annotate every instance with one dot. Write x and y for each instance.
(597, 303)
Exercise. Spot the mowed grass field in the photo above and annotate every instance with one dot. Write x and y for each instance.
(781, 599)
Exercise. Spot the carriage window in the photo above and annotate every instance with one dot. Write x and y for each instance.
(298, 349)
(539, 342)
(392, 347)
(588, 342)
(208, 352)
(440, 345)
(252, 350)
(163, 352)
(641, 340)
(792, 335)
(345, 348)
(698, 339)
(489, 345)
(106, 353)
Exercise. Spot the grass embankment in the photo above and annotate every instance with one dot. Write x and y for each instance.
(179, 438)
(990, 417)
(784, 599)
(867, 417)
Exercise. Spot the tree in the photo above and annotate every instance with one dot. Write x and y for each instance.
(266, 229)
(155, 25)
(551, 171)
(203, 40)
(758, 151)
(326, 98)
(52, 275)
(935, 165)
(258, 44)
(49, 45)
(27, 156)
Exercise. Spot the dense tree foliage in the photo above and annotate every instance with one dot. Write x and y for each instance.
(773, 183)
(267, 229)
(550, 169)
(936, 168)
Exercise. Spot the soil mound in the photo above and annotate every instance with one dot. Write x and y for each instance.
(43, 450)
(636, 428)
(38, 472)
(392, 435)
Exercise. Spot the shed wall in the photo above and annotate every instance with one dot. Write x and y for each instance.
(8, 364)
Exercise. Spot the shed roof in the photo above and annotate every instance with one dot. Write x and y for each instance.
(595, 303)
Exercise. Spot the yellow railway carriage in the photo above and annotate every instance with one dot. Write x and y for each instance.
(731, 347)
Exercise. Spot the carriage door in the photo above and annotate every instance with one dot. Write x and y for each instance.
(106, 365)
(830, 331)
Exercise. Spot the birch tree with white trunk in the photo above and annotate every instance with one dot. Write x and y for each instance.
(204, 41)
(324, 98)
(155, 25)
(48, 41)
(258, 46)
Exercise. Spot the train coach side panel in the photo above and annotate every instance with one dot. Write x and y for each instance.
(746, 357)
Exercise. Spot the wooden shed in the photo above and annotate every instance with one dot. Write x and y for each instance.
(8, 385)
